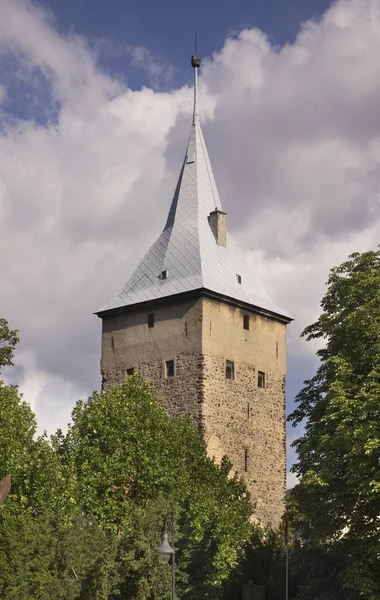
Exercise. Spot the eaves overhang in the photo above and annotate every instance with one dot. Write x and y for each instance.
(201, 292)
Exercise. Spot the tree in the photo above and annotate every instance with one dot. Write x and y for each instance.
(125, 453)
(337, 503)
(86, 509)
(8, 341)
(17, 428)
(27, 536)
(30, 461)
(46, 557)
(261, 562)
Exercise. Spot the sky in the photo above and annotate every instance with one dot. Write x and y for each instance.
(95, 104)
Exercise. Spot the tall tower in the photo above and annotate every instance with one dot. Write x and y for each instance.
(195, 320)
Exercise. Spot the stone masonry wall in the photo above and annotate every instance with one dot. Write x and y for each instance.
(238, 417)
(235, 416)
(181, 393)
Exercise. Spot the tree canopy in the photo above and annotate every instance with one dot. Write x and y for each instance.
(123, 451)
(86, 508)
(337, 503)
(8, 341)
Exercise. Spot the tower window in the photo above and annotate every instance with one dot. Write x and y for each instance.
(164, 274)
(238, 278)
(246, 322)
(151, 320)
(261, 380)
(131, 371)
(276, 349)
(230, 369)
(245, 459)
(169, 366)
(248, 410)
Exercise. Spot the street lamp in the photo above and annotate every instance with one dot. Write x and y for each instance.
(165, 550)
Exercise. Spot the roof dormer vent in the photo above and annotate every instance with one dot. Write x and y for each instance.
(217, 221)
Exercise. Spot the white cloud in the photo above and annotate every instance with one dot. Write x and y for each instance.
(158, 72)
(294, 138)
(291, 480)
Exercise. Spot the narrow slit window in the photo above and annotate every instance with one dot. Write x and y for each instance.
(261, 379)
(169, 368)
(276, 349)
(230, 369)
(151, 320)
(245, 459)
(238, 278)
(164, 274)
(248, 410)
(246, 322)
(131, 371)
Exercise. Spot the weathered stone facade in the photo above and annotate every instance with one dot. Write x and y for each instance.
(237, 417)
(241, 419)
(247, 423)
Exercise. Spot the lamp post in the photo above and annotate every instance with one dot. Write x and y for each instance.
(165, 550)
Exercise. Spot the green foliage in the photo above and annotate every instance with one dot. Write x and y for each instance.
(86, 509)
(337, 503)
(8, 342)
(141, 575)
(30, 462)
(17, 429)
(124, 452)
(261, 561)
(44, 557)
(25, 550)
(313, 573)
(21, 457)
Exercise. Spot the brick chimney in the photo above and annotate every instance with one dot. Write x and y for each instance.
(217, 221)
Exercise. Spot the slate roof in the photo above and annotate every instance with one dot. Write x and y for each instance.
(187, 248)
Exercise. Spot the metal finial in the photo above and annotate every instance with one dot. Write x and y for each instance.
(195, 59)
(195, 63)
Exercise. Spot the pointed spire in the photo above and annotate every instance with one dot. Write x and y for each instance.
(195, 63)
(194, 251)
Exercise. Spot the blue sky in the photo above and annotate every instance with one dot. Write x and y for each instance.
(166, 28)
(289, 95)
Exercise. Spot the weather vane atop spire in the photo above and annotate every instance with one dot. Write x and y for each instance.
(195, 63)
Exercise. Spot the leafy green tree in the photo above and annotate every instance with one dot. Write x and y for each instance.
(37, 479)
(46, 557)
(262, 562)
(17, 428)
(25, 549)
(8, 341)
(141, 575)
(86, 509)
(337, 503)
(123, 452)
(314, 572)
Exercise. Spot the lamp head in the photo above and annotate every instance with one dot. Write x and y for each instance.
(164, 550)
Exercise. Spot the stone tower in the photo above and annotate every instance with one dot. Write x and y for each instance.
(195, 320)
